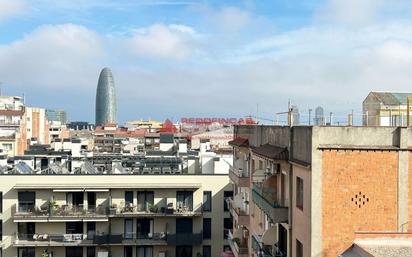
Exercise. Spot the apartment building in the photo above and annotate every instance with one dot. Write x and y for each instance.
(385, 109)
(114, 215)
(321, 191)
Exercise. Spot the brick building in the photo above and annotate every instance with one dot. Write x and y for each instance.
(321, 191)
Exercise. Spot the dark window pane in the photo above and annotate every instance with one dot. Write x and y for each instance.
(207, 228)
(91, 251)
(1, 204)
(299, 193)
(27, 201)
(128, 197)
(74, 227)
(128, 251)
(207, 251)
(228, 225)
(207, 201)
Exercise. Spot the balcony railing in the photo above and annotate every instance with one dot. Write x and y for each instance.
(185, 239)
(237, 248)
(48, 239)
(158, 210)
(270, 205)
(239, 177)
(56, 211)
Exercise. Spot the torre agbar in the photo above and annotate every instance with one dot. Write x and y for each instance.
(106, 108)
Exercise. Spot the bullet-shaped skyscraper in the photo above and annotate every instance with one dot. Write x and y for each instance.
(106, 108)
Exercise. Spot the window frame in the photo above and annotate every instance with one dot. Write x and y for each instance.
(207, 202)
(299, 193)
(207, 235)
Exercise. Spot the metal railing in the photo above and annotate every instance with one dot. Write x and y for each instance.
(240, 210)
(185, 239)
(157, 210)
(51, 210)
(45, 238)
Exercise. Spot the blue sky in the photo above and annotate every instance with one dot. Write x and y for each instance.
(182, 58)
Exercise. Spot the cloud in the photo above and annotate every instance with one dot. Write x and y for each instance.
(362, 12)
(163, 42)
(230, 18)
(51, 57)
(11, 8)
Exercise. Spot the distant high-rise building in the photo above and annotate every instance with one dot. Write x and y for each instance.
(319, 116)
(105, 99)
(59, 115)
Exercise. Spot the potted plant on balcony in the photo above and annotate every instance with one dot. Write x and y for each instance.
(152, 208)
(45, 253)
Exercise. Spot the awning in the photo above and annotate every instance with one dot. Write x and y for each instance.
(239, 142)
(269, 237)
(271, 152)
(106, 186)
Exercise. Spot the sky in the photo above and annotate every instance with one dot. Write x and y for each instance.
(188, 58)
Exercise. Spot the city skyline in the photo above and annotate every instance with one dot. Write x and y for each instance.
(186, 55)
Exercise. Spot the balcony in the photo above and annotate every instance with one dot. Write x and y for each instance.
(239, 210)
(52, 212)
(44, 240)
(185, 239)
(238, 249)
(268, 203)
(239, 177)
(159, 210)
(149, 239)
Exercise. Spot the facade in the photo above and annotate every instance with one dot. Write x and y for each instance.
(106, 107)
(385, 109)
(113, 215)
(321, 191)
(57, 115)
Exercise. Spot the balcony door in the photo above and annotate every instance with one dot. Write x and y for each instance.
(26, 252)
(184, 251)
(91, 200)
(184, 200)
(74, 251)
(144, 228)
(144, 200)
(128, 228)
(74, 227)
(91, 230)
(184, 226)
(26, 230)
(27, 201)
(75, 199)
(283, 240)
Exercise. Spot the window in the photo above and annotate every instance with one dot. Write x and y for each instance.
(91, 251)
(144, 251)
(207, 228)
(26, 230)
(128, 251)
(299, 249)
(1, 203)
(128, 198)
(299, 193)
(91, 230)
(1, 231)
(128, 228)
(74, 227)
(184, 200)
(144, 228)
(26, 252)
(7, 147)
(227, 226)
(74, 251)
(27, 201)
(207, 201)
(144, 200)
(226, 194)
(207, 251)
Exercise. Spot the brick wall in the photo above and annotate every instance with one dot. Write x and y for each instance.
(359, 193)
